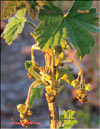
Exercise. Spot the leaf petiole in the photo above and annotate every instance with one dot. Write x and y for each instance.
(32, 24)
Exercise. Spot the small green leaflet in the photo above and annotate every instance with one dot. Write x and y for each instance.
(67, 119)
(14, 27)
(35, 93)
(56, 28)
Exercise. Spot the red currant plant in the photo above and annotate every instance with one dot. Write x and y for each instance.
(55, 33)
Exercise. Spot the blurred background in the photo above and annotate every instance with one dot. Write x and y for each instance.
(15, 82)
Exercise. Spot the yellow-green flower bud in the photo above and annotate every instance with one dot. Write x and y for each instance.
(87, 87)
(21, 108)
(75, 83)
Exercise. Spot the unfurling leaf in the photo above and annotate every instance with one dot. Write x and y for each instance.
(28, 64)
(67, 119)
(57, 28)
(34, 73)
(14, 27)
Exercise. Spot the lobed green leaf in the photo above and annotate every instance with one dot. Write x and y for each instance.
(51, 31)
(79, 25)
(67, 119)
(56, 28)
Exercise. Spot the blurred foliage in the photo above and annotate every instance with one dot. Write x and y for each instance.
(9, 8)
(85, 116)
(67, 119)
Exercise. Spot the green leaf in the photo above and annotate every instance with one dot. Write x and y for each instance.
(68, 119)
(79, 25)
(57, 28)
(28, 64)
(35, 93)
(65, 75)
(15, 26)
(51, 30)
(81, 5)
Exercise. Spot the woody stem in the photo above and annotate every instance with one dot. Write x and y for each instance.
(54, 115)
(52, 106)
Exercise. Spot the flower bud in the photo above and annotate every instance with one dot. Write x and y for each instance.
(88, 87)
(22, 116)
(29, 113)
(21, 108)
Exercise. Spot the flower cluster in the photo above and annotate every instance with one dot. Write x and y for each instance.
(82, 89)
(24, 114)
(81, 96)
